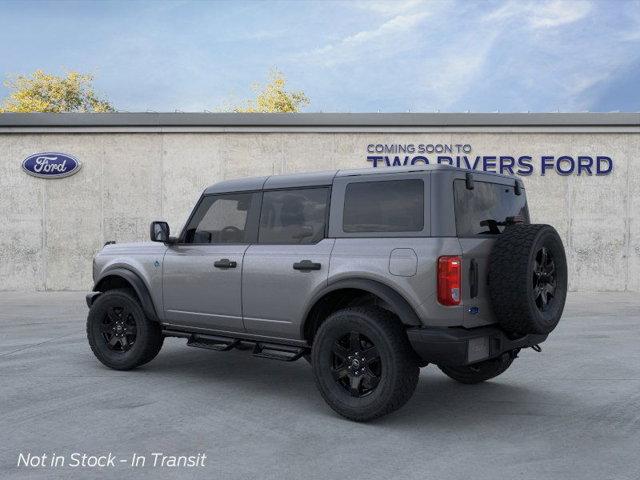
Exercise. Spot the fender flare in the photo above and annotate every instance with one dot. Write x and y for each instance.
(397, 302)
(138, 285)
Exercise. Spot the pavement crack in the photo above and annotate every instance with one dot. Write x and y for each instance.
(25, 347)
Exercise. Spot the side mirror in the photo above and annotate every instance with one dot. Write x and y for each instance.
(159, 232)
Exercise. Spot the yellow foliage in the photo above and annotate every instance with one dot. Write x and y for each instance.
(274, 98)
(42, 92)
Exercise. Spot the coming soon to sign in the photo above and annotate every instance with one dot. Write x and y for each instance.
(460, 155)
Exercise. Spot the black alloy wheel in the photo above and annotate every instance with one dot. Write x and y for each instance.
(119, 333)
(119, 328)
(363, 363)
(544, 279)
(356, 364)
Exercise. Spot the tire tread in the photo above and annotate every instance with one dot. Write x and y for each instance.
(152, 344)
(508, 280)
(407, 373)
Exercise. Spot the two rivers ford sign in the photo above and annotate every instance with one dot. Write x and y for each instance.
(51, 165)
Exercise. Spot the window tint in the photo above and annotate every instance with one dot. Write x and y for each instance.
(293, 216)
(220, 219)
(489, 204)
(390, 206)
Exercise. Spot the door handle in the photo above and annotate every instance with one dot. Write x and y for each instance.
(225, 263)
(306, 265)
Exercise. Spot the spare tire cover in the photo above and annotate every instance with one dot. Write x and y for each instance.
(528, 278)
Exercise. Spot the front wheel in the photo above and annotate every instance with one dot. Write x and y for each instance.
(363, 363)
(119, 333)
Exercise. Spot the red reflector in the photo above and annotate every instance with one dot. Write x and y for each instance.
(449, 280)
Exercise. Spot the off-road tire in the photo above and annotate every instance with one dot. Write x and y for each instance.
(148, 337)
(398, 366)
(479, 372)
(515, 277)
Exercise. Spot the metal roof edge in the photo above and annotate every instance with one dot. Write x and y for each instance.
(121, 119)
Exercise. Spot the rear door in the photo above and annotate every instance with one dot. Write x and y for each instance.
(289, 262)
(480, 216)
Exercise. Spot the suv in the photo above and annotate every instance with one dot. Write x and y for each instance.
(368, 274)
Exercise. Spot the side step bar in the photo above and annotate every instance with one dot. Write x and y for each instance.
(221, 344)
(273, 351)
(278, 352)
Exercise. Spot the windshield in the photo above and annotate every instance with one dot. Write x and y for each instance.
(487, 208)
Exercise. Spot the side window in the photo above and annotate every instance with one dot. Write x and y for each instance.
(220, 219)
(296, 216)
(384, 206)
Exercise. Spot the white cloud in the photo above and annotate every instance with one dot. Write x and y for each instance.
(522, 55)
(540, 15)
(452, 72)
(507, 11)
(564, 69)
(392, 36)
(632, 13)
(390, 7)
(556, 13)
(465, 64)
(398, 24)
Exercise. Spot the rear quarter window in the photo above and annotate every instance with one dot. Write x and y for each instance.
(484, 210)
(384, 206)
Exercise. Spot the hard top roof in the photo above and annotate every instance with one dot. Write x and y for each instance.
(322, 178)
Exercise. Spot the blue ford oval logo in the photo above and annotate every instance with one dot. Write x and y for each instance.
(51, 165)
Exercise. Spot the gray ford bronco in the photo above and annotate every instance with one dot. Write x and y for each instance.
(368, 274)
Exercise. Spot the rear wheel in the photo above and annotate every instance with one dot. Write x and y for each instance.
(363, 363)
(479, 372)
(119, 333)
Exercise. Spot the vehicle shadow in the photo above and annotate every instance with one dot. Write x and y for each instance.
(437, 402)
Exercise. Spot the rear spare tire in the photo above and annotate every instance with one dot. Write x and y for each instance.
(528, 278)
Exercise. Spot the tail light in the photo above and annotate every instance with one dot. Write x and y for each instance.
(449, 280)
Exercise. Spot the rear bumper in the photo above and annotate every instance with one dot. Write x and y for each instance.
(461, 346)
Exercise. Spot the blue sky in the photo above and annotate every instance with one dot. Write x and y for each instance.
(348, 56)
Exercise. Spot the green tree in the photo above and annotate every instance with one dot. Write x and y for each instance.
(43, 92)
(273, 97)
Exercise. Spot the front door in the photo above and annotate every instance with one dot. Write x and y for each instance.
(202, 274)
(289, 262)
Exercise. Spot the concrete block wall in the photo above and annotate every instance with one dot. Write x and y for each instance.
(50, 229)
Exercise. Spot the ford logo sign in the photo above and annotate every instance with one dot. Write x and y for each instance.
(51, 165)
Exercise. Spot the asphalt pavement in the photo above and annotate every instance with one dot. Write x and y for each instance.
(569, 412)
